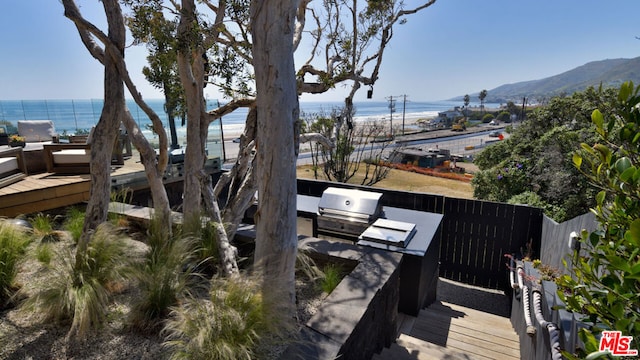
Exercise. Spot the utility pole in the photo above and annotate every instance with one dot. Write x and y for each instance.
(404, 107)
(392, 109)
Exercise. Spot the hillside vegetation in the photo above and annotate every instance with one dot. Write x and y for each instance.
(609, 73)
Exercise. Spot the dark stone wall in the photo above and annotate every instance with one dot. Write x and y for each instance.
(359, 318)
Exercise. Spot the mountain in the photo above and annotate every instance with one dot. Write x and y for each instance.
(609, 73)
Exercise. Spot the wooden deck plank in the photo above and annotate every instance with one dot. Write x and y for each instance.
(478, 322)
(491, 335)
(457, 332)
(469, 331)
(46, 191)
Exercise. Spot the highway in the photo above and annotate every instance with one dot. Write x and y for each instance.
(464, 144)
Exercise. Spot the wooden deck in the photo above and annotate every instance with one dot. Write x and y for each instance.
(47, 191)
(448, 331)
(466, 322)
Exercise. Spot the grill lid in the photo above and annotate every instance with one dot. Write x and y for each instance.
(350, 202)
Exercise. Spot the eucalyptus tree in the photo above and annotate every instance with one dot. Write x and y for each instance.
(272, 29)
(148, 25)
(115, 113)
(229, 42)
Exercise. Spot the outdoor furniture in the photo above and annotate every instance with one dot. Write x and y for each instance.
(68, 158)
(36, 133)
(12, 166)
(75, 158)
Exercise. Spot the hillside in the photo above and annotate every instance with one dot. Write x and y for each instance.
(609, 73)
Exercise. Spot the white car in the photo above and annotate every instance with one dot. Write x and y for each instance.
(494, 123)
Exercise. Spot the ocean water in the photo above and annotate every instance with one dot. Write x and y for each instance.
(70, 116)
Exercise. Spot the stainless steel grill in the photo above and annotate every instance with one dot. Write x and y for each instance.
(347, 213)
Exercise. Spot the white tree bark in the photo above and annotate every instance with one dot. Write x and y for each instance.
(272, 28)
(191, 69)
(106, 129)
(114, 50)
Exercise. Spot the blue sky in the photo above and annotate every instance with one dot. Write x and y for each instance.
(453, 48)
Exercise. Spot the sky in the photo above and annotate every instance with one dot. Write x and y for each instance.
(453, 48)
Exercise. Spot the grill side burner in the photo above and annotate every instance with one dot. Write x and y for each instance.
(347, 213)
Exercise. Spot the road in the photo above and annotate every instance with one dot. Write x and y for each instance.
(464, 144)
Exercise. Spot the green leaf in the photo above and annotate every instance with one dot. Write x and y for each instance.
(577, 160)
(600, 197)
(623, 164)
(625, 91)
(628, 174)
(598, 119)
(634, 232)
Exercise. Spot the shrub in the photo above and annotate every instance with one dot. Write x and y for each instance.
(13, 243)
(487, 118)
(603, 284)
(503, 116)
(228, 325)
(79, 289)
(163, 278)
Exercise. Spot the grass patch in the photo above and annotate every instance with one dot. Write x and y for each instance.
(333, 274)
(13, 243)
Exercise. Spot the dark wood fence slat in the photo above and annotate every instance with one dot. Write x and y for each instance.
(475, 235)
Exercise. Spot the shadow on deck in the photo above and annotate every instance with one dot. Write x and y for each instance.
(465, 323)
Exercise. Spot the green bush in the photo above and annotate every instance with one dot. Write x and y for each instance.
(487, 118)
(504, 116)
(605, 277)
(13, 243)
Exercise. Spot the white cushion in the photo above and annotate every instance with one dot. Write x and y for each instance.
(31, 146)
(71, 156)
(36, 130)
(8, 164)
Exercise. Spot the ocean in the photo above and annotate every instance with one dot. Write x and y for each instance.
(70, 116)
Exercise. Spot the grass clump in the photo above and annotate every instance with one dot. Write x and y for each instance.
(44, 228)
(79, 291)
(74, 222)
(163, 278)
(230, 324)
(13, 243)
(44, 253)
(333, 274)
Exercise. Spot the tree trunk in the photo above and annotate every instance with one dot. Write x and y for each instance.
(272, 27)
(191, 70)
(105, 131)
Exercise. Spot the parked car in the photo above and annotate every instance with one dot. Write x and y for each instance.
(495, 134)
(494, 123)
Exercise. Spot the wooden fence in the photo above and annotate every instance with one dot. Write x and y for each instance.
(475, 235)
